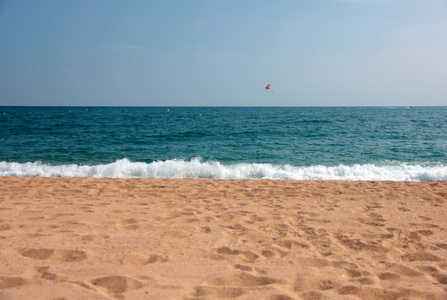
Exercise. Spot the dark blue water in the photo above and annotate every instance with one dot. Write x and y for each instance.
(226, 142)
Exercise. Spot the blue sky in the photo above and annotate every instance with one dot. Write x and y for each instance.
(223, 53)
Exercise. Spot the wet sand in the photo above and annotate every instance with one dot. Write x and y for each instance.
(84, 238)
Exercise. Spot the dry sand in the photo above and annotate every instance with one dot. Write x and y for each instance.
(85, 238)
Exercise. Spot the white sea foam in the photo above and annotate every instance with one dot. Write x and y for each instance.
(197, 168)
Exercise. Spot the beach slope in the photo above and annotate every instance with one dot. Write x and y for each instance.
(85, 238)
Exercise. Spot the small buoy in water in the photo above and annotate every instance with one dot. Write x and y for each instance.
(70, 111)
(168, 110)
(86, 110)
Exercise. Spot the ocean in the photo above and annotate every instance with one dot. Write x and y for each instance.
(298, 143)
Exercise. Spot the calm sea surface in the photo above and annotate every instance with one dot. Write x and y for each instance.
(343, 143)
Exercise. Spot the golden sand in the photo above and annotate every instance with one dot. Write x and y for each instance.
(84, 238)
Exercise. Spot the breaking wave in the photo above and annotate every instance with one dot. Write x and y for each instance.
(197, 168)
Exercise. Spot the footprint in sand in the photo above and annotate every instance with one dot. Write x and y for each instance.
(307, 283)
(42, 273)
(441, 245)
(217, 292)
(10, 282)
(204, 229)
(176, 234)
(128, 224)
(421, 256)
(242, 280)
(40, 254)
(289, 244)
(314, 295)
(243, 268)
(116, 284)
(434, 272)
(370, 292)
(59, 255)
(389, 276)
(139, 259)
(246, 256)
(92, 237)
(441, 278)
(359, 245)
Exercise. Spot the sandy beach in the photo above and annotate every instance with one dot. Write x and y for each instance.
(85, 238)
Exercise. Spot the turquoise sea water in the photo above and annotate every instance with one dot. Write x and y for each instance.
(343, 143)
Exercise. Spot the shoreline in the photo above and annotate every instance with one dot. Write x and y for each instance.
(88, 238)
